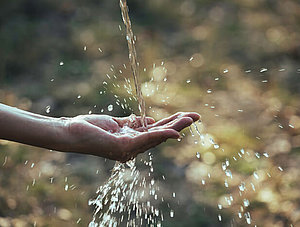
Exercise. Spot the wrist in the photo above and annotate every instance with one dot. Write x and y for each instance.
(62, 138)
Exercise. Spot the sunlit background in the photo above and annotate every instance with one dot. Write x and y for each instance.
(237, 63)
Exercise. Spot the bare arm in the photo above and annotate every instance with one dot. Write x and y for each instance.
(101, 135)
(32, 129)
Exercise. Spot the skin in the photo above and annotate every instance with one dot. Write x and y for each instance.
(115, 138)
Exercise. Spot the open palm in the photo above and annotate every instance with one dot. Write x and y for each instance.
(123, 138)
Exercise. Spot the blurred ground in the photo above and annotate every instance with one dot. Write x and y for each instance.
(234, 62)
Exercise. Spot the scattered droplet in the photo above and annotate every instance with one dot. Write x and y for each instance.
(48, 109)
(255, 175)
(248, 218)
(172, 213)
(246, 202)
(228, 173)
(266, 154)
(263, 70)
(242, 151)
(61, 63)
(291, 126)
(242, 187)
(110, 107)
(66, 187)
(220, 217)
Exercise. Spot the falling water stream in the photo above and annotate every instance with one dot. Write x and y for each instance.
(131, 39)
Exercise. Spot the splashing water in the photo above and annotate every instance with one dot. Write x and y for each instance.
(126, 198)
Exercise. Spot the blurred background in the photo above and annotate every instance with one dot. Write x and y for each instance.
(237, 63)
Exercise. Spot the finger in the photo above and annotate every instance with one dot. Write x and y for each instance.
(153, 137)
(178, 124)
(149, 121)
(166, 120)
(193, 115)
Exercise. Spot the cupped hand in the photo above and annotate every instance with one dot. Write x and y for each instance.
(123, 138)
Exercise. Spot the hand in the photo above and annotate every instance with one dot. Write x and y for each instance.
(122, 138)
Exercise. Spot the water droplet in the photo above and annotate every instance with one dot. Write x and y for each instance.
(228, 173)
(242, 187)
(79, 96)
(291, 126)
(61, 63)
(255, 175)
(226, 184)
(227, 162)
(224, 166)
(266, 154)
(198, 155)
(263, 70)
(242, 151)
(152, 181)
(48, 109)
(248, 218)
(172, 213)
(280, 168)
(253, 187)
(110, 107)
(188, 81)
(246, 202)
(66, 187)
(209, 91)
(220, 217)
(225, 71)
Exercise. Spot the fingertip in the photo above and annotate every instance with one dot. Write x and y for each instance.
(150, 120)
(195, 116)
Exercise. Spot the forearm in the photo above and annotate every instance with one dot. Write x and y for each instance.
(32, 129)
